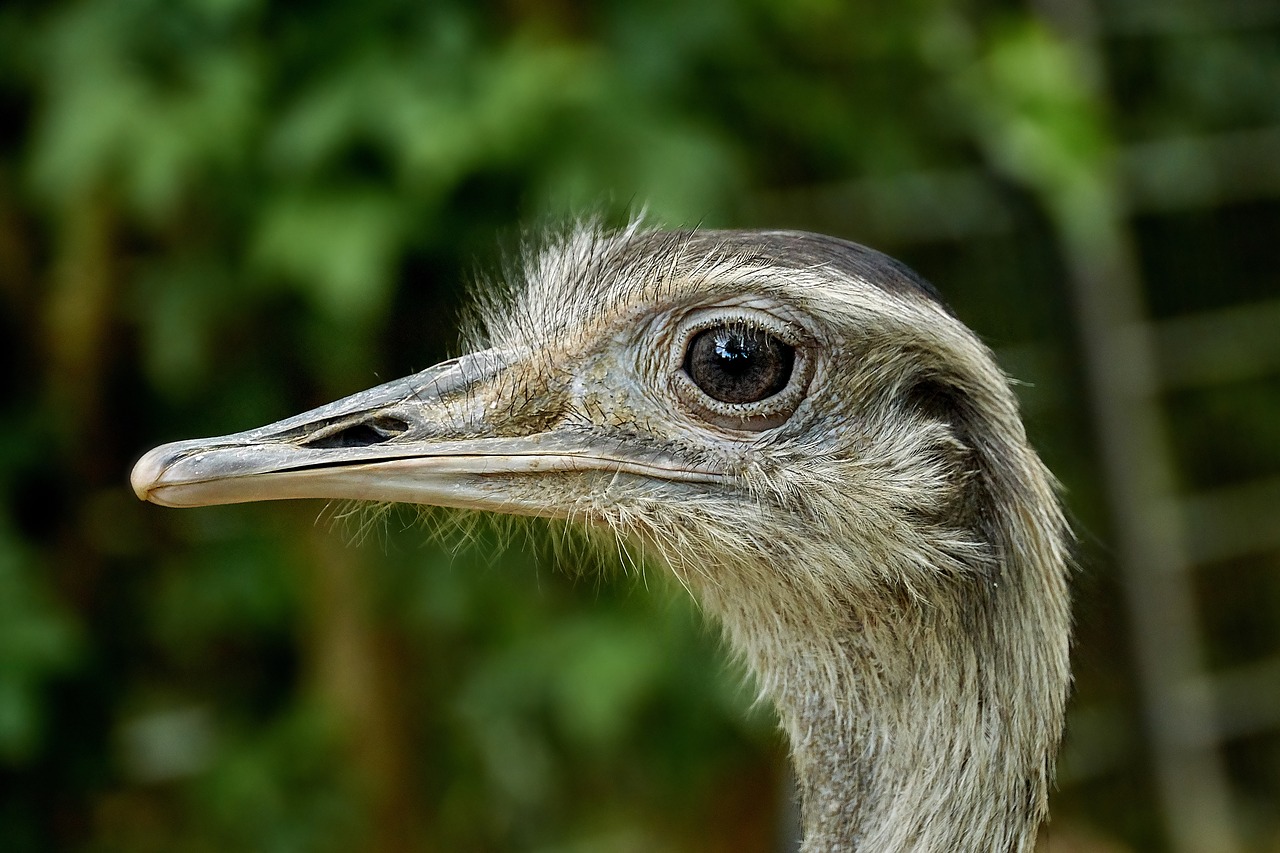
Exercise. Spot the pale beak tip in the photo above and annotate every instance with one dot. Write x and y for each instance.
(148, 470)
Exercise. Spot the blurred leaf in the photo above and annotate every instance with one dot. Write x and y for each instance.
(110, 119)
(275, 791)
(609, 670)
(236, 587)
(1035, 106)
(338, 247)
(38, 640)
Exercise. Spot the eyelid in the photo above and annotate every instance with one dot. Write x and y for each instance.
(710, 318)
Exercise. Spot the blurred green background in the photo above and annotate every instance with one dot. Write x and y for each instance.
(215, 213)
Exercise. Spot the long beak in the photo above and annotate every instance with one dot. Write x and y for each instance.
(435, 437)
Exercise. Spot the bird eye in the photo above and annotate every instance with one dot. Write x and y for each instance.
(738, 363)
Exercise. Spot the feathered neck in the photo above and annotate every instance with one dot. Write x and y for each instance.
(931, 728)
(921, 723)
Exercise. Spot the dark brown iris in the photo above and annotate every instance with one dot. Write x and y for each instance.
(737, 363)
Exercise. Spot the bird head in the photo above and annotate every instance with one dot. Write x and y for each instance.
(819, 450)
(776, 410)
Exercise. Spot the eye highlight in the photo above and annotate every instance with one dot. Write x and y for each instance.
(738, 363)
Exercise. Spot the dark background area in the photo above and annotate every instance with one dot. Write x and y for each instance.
(216, 213)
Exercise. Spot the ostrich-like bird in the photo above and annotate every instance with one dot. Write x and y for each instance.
(820, 451)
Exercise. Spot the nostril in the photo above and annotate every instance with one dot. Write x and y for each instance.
(357, 435)
(376, 431)
(389, 426)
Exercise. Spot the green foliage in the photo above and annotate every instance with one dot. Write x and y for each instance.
(1041, 120)
(39, 641)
